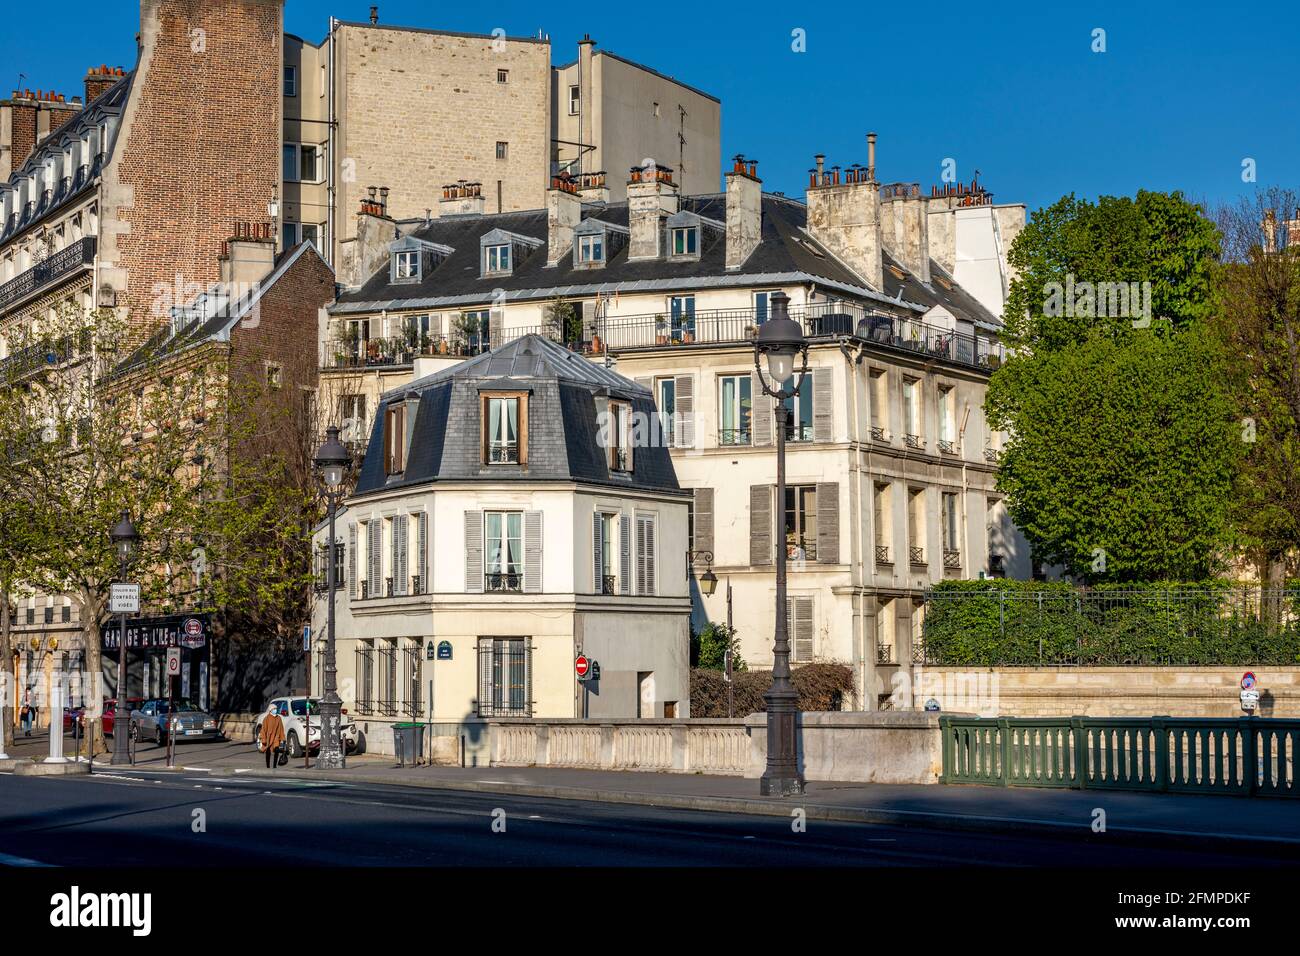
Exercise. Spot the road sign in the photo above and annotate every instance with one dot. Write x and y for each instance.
(582, 667)
(124, 599)
(306, 637)
(1249, 700)
(173, 661)
(192, 633)
(444, 650)
(1247, 680)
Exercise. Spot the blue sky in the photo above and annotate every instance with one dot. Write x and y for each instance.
(1183, 93)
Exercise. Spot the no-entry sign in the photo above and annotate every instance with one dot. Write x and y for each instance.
(582, 667)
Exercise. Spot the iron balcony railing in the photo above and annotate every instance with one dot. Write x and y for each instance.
(884, 654)
(916, 555)
(951, 560)
(503, 453)
(798, 433)
(947, 447)
(913, 441)
(882, 554)
(607, 584)
(32, 358)
(398, 352)
(733, 436)
(878, 433)
(81, 254)
(499, 581)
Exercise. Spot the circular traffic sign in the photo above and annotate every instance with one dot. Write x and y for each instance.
(194, 627)
(1247, 680)
(582, 665)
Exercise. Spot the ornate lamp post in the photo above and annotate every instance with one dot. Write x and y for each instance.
(780, 340)
(331, 463)
(125, 538)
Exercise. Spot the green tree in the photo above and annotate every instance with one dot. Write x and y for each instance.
(711, 647)
(1123, 436)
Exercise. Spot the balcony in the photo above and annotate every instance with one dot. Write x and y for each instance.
(607, 584)
(398, 352)
(733, 436)
(30, 359)
(878, 433)
(951, 560)
(882, 554)
(79, 255)
(991, 455)
(913, 441)
(884, 653)
(916, 556)
(947, 447)
(503, 453)
(498, 582)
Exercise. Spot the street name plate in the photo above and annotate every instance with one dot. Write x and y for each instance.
(124, 599)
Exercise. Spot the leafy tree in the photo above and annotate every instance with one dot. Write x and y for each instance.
(1123, 437)
(711, 647)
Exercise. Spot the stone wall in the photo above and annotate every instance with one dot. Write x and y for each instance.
(1107, 691)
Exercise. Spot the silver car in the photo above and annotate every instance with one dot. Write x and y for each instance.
(156, 718)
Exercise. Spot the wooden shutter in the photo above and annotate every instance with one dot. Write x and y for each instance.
(760, 430)
(422, 550)
(799, 625)
(760, 524)
(474, 552)
(624, 554)
(597, 552)
(645, 554)
(374, 555)
(400, 554)
(828, 522)
(823, 406)
(352, 560)
(684, 411)
(703, 540)
(532, 552)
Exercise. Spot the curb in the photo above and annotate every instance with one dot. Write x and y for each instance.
(1140, 836)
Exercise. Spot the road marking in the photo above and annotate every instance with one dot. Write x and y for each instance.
(198, 769)
(7, 860)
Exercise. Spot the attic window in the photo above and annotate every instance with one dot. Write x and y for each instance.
(496, 259)
(591, 248)
(395, 439)
(686, 241)
(406, 266)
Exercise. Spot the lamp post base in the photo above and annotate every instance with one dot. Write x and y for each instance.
(332, 755)
(781, 786)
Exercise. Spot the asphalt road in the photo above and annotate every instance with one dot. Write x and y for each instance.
(141, 818)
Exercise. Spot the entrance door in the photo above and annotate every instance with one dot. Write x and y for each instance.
(645, 704)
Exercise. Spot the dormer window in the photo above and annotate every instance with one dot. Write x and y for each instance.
(591, 249)
(505, 428)
(497, 259)
(406, 266)
(686, 241)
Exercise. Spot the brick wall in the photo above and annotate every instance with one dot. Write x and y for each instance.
(199, 146)
(23, 114)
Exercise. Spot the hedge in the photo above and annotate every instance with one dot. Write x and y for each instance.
(820, 687)
(1023, 623)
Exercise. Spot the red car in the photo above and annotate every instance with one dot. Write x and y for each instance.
(110, 711)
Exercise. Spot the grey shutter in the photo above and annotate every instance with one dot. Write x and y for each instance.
(760, 524)
(374, 542)
(799, 626)
(761, 427)
(422, 550)
(684, 411)
(645, 554)
(352, 560)
(474, 552)
(625, 554)
(532, 552)
(400, 552)
(597, 552)
(828, 522)
(703, 540)
(823, 405)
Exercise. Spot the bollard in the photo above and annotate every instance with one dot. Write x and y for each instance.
(56, 725)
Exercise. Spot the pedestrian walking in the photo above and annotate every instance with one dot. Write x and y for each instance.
(28, 712)
(270, 739)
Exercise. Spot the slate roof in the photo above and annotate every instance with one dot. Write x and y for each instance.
(785, 253)
(563, 423)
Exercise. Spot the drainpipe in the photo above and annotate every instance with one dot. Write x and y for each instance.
(331, 192)
(868, 676)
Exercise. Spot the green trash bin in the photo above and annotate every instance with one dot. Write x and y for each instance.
(408, 743)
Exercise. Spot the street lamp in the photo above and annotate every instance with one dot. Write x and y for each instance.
(125, 539)
(780, 341)
(331, 463)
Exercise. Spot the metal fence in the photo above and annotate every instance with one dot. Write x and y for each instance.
(1246, 756)
(1001, 626)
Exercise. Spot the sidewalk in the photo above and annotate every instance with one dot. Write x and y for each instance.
(1238, 824)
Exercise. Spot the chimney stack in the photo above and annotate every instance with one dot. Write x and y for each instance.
(563, 213)
(374, 14)
(99, 79)
(248, 256)
(905, 227)
(651, 197)
(462, 198)
(845, 218)
(744, 211)
(871, 157)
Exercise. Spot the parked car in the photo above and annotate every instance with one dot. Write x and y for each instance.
(301, 716)
(154, 721)
(109, 712)
(72, 718)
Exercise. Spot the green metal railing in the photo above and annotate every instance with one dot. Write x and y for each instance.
(1246, 756)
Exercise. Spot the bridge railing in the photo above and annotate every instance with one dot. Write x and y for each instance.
(1243, 756)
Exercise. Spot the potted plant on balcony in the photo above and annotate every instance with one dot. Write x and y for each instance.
(466, 330)
(661, 329)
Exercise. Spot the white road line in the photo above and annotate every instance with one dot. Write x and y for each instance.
(7, 860)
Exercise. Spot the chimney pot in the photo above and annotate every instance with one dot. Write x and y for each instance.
(374, 14)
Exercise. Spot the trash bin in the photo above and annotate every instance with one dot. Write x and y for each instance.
(408, 743)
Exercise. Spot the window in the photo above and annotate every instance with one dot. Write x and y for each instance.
(290, 81)
(686, 241)
(303, 162)
(387, 697)
(498, 259)
(49, 615)
(352, 417)
(502, 436)
(882, 525)
(66, 615)
(504, 677)
(912, 412)
(681, 310)
(798, 413)
(591, 248)
(666, 399)
(503, 150)
(618, 435)
(879, 405)
(801, 523)
(365, 676)
(503, 550)
(503, 76)
(289, 154)
(574, 99)
(473, 331)
(274, 375)
(735, 410)
(762, 306)
(406, 266)
(395, 439)
(951, 528)
(605, 550)
(293, 233)
(916, 525)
